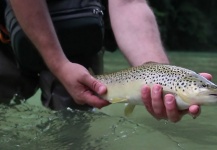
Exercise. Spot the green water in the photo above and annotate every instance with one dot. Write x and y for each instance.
(26, 126)
(31, 127)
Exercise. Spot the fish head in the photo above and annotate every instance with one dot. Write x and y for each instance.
(196, 89)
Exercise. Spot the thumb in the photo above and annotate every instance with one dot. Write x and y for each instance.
(95, 85)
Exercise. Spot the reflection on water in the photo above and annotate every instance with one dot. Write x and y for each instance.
(32, 127)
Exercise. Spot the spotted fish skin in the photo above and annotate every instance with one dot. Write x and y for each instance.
(187, 86)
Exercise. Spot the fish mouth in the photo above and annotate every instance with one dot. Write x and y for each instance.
(213, 94)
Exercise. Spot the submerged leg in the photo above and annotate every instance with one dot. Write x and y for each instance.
(14, 82)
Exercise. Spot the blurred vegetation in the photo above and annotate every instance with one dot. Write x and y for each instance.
(196, 61)
(185, 25)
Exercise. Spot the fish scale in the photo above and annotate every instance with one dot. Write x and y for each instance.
(187, 86)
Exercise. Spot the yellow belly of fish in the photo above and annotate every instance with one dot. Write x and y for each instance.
(129, 92)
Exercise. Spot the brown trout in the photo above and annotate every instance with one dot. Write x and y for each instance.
(188, 87)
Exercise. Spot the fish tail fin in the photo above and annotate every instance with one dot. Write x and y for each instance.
(129, 109)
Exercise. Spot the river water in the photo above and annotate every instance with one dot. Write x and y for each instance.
(32, 127)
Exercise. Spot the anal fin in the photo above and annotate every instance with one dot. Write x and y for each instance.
(129, 109)
(118, 100)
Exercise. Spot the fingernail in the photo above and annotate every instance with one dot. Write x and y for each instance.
(169, 99)
(145, 90)
(101, 89)
(156, 89)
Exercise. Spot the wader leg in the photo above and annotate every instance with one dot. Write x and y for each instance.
(96, 63)
(55, 96)
(13, 83)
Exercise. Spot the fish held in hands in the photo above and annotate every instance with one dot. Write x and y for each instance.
(188, 87)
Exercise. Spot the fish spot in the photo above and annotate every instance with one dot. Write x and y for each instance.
(204, 85)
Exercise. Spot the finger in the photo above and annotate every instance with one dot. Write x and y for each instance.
(93, 100)
(157, 101)
(172, 111)
(194, 111)
(146, 97)
(94, 85)
(206, 75)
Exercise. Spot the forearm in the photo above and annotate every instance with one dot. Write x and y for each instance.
(136, 31)
(34, 18)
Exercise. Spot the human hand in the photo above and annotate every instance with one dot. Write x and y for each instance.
(81, 85)
(166, 108)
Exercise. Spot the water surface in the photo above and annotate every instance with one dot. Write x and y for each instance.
(27, 127)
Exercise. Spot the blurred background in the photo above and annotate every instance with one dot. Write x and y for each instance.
(184, 25)
(187, 25)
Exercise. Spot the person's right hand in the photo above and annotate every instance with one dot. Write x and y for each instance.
(81, 85)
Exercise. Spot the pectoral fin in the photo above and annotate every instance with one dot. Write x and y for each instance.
(129, 109)
(118, 100)
(182, 105)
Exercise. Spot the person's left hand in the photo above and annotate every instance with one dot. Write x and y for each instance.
(165, 107)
